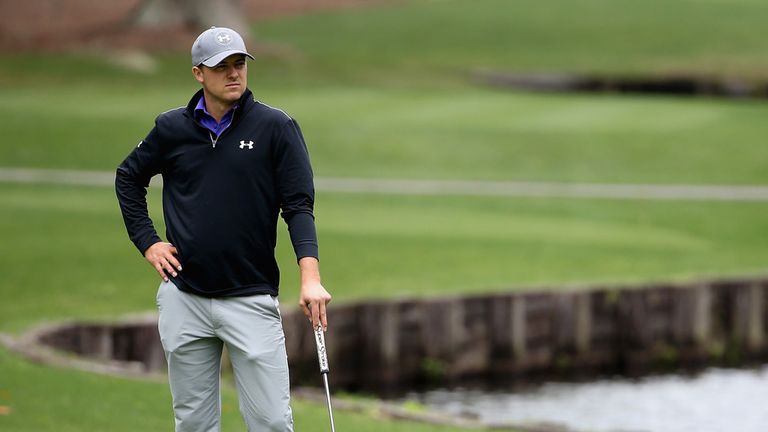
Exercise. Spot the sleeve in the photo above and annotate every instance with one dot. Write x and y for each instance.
(295, 185)
(131, 182)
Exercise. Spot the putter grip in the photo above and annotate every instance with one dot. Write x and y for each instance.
(322, 356)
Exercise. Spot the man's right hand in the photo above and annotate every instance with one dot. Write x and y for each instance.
(162, 257)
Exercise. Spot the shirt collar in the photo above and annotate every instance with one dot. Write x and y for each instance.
(200, 109)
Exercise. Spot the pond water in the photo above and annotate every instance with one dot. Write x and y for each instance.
(715, 400)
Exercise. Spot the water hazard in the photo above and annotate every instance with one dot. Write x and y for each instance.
(716, 400)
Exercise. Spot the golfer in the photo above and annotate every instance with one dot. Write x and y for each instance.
(230, 166)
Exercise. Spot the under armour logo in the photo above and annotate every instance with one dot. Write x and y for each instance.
(223, 38)
(248, 144)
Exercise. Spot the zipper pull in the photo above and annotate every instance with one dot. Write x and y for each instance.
(213, 140)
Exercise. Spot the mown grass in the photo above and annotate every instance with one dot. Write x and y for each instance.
(465, 133)
(378, 94)
(384, 92)
(48, 399)
(72, 258)
(414, 43)
(425, 40)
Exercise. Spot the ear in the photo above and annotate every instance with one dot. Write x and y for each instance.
(198, 74)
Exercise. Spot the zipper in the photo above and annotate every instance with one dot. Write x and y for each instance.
(210, 135)
(214, 141)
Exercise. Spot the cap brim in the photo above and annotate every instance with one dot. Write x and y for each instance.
(218, 58)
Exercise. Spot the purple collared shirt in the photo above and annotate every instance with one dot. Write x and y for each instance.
(206, 119)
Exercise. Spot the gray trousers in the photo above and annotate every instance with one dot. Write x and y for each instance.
(193, 331)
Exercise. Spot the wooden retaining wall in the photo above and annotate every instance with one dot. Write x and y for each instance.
(382, 346)
(632, 330)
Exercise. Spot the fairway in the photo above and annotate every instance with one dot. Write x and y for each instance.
(417, 41)
(382, 246)
(456, 133)
(386, 92)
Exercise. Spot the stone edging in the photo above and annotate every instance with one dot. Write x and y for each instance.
(29, 346)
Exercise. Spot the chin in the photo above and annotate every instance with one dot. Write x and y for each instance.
(235, 94)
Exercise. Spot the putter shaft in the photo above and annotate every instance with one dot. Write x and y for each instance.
(328, 398)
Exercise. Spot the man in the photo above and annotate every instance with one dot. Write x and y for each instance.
(229, 164)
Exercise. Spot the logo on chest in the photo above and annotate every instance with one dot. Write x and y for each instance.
(244, 144)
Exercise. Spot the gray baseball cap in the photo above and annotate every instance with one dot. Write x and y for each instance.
(216, 44)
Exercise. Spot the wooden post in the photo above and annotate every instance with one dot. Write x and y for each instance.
(518, 330)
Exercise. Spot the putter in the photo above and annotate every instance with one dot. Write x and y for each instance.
(322, 357)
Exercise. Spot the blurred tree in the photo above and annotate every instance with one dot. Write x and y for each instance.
(191, 13)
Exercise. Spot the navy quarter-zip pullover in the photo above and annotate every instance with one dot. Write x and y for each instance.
(222, 196)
